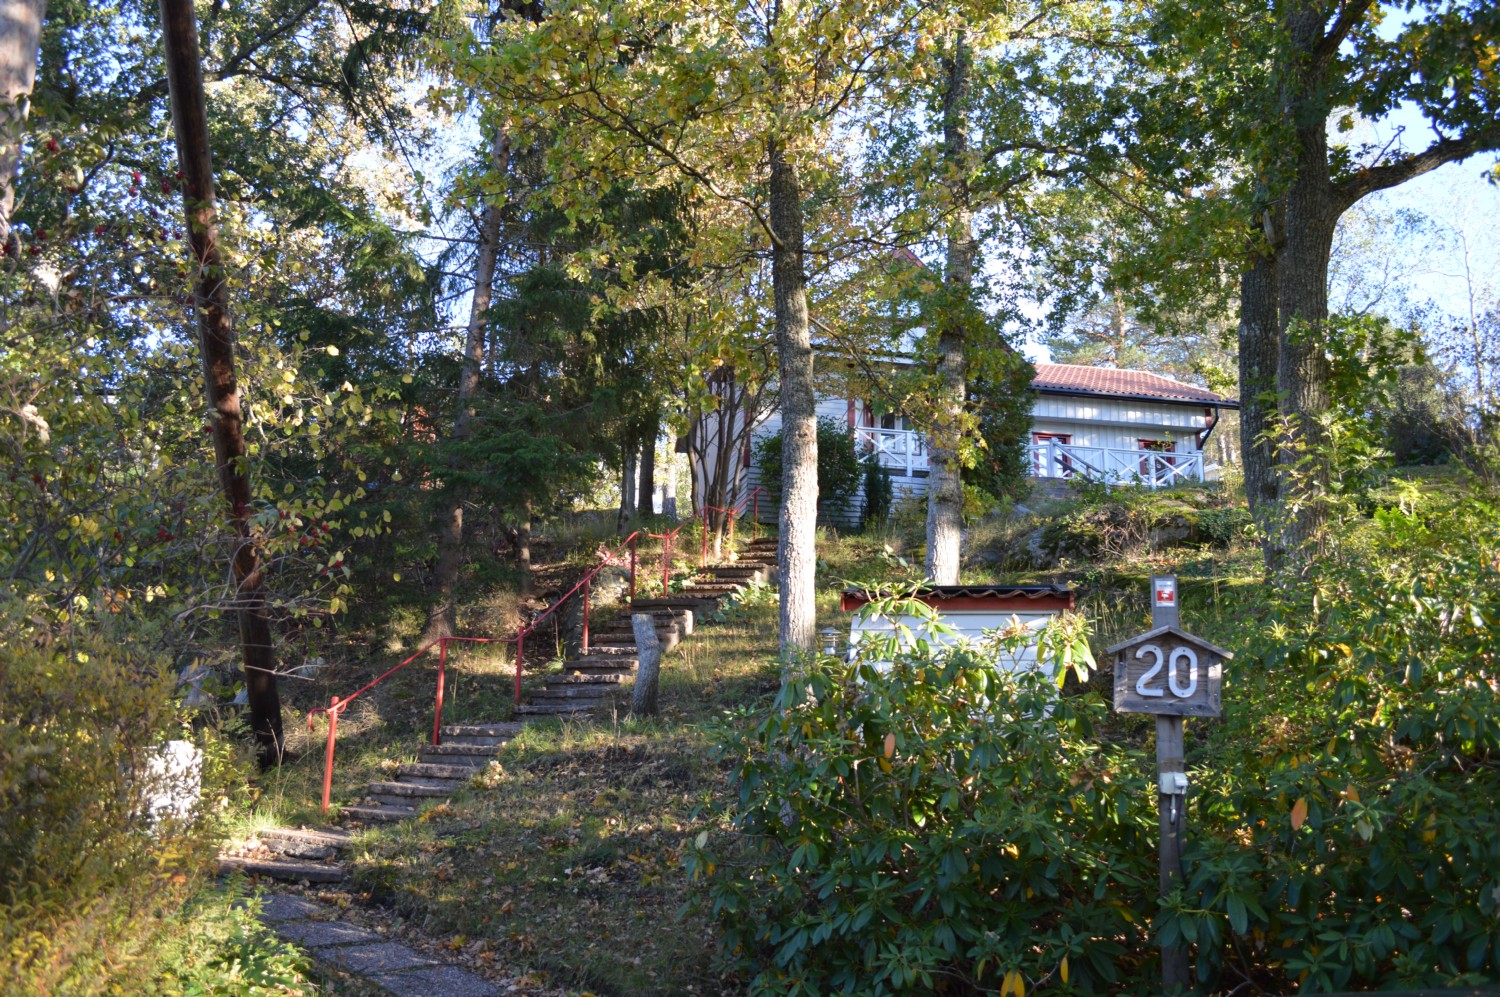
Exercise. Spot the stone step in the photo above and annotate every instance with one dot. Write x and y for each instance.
(626, 643)
(303, 843)
(483, 730)
(586, 678)
(286, 870)
(429, 770)
(378, 814)
(484, 752)
(436, 756)
(476, 741)
(568, 708)
(694, 605)
(568, 693)
(396, 802)
(416, 787)
(602, 662)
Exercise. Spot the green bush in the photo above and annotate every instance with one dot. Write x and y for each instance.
(1340, 827)
(878, 491)
(889, 839)
(89, 888)
(839, 469)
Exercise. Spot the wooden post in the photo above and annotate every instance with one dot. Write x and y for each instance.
(1171, 775)
(648, 667)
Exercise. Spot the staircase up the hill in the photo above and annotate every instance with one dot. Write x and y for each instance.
(588, 682)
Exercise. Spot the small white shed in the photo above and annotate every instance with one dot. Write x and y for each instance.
(969, 609)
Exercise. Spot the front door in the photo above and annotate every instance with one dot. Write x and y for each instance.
(1052, 462)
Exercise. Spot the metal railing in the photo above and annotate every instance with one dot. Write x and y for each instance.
(338, 705)
(1152, 468)
(899, 449)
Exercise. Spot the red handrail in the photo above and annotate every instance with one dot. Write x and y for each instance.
(338, 705)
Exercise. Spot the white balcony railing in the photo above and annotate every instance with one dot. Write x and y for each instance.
(1152, 468)
(900, 450)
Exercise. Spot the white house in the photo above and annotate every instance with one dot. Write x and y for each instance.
(1122, 427)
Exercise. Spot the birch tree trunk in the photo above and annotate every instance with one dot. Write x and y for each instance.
(217, 342)
(797, 544)
(945, 490)
(20, 35)
(442, 616)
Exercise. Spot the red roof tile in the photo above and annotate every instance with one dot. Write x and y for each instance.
(1076, 379)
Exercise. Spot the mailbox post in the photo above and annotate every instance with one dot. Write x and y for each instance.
(1172, 674)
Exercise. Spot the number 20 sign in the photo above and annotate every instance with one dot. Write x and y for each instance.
(1168, 672)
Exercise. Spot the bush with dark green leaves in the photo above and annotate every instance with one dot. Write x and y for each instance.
(887, 836)
(941, 823)
(878, 491)
(839, 469)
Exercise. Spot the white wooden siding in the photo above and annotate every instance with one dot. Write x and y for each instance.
(1118, 424)
(971, 625)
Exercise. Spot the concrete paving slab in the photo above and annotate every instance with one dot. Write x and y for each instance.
(321, 934)
(367, 960)
(449, 981)
(277, 907)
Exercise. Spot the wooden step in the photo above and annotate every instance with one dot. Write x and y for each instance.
(438, 788)
(428, 770)
(378, 813)
(287, 870)
(324, 843)
(598, 666)
(690, 603)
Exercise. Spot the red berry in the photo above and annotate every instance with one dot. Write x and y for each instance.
(52, 145)
(135, 176)
(134, 191)
(98, 229)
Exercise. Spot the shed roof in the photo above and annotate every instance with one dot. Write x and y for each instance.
(1016, 598)
(1076, 379)
(1174, 631)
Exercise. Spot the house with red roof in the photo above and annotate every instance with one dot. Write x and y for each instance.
(1120, 427)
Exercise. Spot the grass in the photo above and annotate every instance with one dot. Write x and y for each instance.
(566, 854)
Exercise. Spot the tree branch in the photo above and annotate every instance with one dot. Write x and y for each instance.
(1349, 16)
(1448, 150)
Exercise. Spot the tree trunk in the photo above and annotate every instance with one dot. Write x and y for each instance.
(669, 487)
(216, 334)
(1302, 369)
(20, 35)
(646, 494)
(945, 489)
(1259, 341)
(442, 616)
(522, 544)
(797, 544)
(627, 490)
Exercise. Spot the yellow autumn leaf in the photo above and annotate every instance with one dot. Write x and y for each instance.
(1062, 970)
(1014, 984)
(890, 745)
(1299, 813)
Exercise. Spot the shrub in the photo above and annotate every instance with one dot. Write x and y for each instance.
(878, 491)
(839, 468)
(88, 885)
(889, 837)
